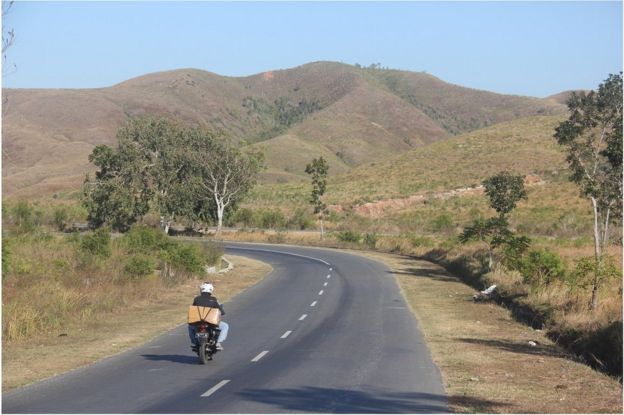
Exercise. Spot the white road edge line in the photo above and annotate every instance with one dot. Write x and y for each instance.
(321, 292)
(260, 356)
(215, 388)
(303, 317)
(278, 252)
(286, 334)
(313, 304)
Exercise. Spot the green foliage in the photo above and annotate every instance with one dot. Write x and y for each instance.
(243, 216)
(592, 137)
(144, 239)
(421, 241)
(187, 257)
(61, 217)
(443, 223)
(318, 171)
(301, 220)
(504, 191)
(541, 267)
(589, 272)
(6, 256)
(97, 244)
(25, 217)
(272, 219)
(349, 236)
(370, 240)
(139, 265)
(186, 173)
(278, 116)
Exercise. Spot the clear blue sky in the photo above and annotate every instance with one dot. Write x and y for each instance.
(525, 48)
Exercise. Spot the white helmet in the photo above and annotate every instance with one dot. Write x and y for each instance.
(206, 288)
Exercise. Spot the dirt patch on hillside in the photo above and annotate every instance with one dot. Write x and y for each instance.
(381, 208)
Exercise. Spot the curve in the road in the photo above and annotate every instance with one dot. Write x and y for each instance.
(325, 332)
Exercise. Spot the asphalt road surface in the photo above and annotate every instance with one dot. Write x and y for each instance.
(325, 332)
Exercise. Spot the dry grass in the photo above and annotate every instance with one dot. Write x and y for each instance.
(486, 361)
(119, 329)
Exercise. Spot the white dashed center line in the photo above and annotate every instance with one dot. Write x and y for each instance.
(313, 304)
(331, 269)
(325, 285)
(321, 292)
(215, 388)
(260, 356)
(328, 276)
(286, 334)
(303, 317)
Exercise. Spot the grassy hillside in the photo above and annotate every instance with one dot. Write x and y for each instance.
(524, 146)
(355, 114)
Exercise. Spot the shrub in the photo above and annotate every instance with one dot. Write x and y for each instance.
(541, 267)
(442, 223)
(278, 238)
(61, 217)
(272, 219)
(139, 265)
(212, 252)
(188, 258)
(370, 239)
(243, 216)
(301, 219)
(144, 239)
(25, 217)
(349, 236)
(421, 241)
(97, 244)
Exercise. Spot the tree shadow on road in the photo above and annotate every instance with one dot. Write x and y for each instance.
(175, 358)
(325, 400)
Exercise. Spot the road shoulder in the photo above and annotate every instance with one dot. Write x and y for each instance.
(486, 360)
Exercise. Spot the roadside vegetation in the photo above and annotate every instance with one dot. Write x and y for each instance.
(51, 280)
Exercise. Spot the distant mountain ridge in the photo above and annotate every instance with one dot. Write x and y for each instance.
(349, 115)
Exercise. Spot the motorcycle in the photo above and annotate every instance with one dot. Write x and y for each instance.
(206, 335)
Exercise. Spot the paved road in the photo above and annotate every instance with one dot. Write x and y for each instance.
(325, 332)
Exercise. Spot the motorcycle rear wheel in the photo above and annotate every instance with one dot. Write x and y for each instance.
(203, 353)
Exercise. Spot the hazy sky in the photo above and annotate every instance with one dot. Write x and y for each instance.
(525, 48)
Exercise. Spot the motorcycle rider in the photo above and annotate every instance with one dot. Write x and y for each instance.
(206, 299)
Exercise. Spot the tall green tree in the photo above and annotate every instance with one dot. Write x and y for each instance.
(318, 171)
(592, 138)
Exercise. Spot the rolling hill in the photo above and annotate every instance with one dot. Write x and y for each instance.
(350, 115)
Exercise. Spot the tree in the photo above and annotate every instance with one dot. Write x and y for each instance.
(318, 170)
(147, 168)
(222, 173)
(115, 196)
(592, 138)
(504, 191)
